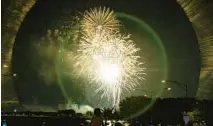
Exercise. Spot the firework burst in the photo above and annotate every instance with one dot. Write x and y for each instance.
(108, 59)
(99, 18)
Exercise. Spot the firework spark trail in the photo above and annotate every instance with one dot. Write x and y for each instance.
(108, 59)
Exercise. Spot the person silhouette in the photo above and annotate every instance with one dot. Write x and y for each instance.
(97, 119)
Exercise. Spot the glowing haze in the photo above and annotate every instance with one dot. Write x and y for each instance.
(108, 59)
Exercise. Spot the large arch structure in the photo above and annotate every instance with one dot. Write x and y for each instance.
(199, 13)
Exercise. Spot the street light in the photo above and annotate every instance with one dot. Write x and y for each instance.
(151, 92)
(10, 75)
(14, 74)
(5, 66)
(145, 91)
(183, 86)
(163, 81)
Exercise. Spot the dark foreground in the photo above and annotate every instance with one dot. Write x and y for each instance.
(43, 121)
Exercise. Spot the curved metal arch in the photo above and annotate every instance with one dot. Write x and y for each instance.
(199, 13)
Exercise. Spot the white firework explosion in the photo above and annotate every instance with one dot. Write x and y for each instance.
(99, 18)
(109, 60)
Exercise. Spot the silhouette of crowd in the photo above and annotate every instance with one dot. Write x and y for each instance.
(163, 111)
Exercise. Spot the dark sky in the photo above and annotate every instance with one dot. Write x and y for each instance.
(165, 17)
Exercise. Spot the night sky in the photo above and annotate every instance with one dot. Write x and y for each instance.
(170, 49)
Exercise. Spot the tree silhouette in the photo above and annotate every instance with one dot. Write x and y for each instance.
(133, 105)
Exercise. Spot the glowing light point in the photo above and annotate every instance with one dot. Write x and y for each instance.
(99, 27)
(169, 89)
(163, 81)
(14, 74)
(110, 73)
(5, 66)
